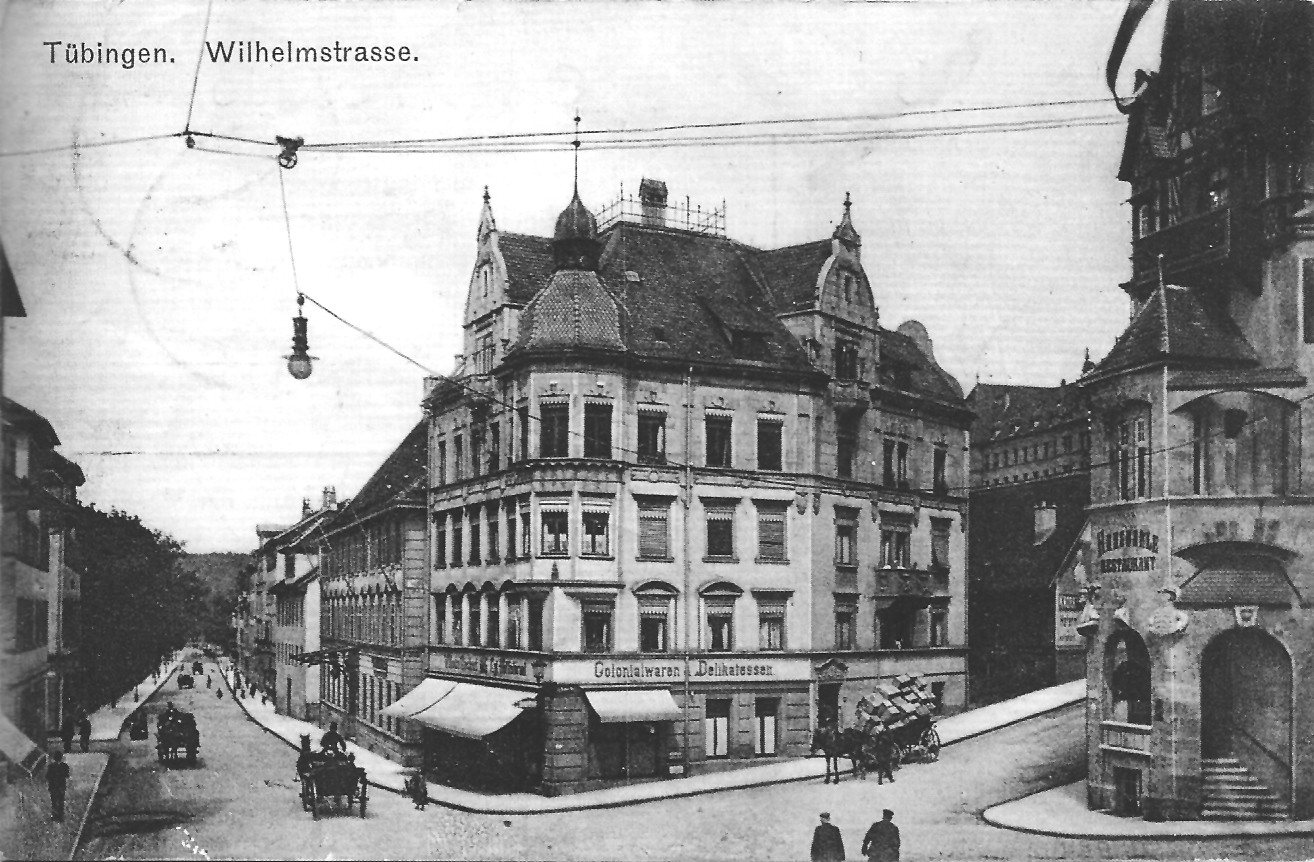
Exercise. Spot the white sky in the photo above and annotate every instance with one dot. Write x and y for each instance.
(157, 279)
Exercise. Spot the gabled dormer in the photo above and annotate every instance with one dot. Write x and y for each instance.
(490, 319)
(828, 302)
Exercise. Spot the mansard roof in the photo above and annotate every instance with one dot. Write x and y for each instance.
(925, 376)
(1175, 326)
(574, 310)
(1004, 411)
(792, 272)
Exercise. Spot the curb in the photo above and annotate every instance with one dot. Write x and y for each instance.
(86, 814)
(1052, 709)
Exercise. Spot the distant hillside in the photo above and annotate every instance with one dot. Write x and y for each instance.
(219, 572)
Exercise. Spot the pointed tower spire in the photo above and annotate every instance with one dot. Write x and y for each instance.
(575, 144)
(845, 232)
(487, 224)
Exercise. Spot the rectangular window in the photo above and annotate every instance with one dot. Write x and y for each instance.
(716, 728)
(901, 466)
(458, 458)
(524, 533)
(771, 625)
(441, 459)
(846, 360)
(494, 540)
(720, 625)
(654, 617)
(597, 430)
(554, 431)
(458, 620)
(535, 623)
(440, 543)
(476, 451)
(475, 544)
(765, 735)
(940, 543)
(846, 447)
(718, 429)
(939, 461)
(494, 622)
(596, 535)
(939, 627)
(652, 438)
(1307, 297)
(511, 531)
(896, 545)
(846, 538)
(555, 541)
(456, 542)
(597, 626)
(769, 444)
(887, 472)
(522, 417)
(654, 535)
(1211, 97)
(514, 621)
(720, 533)
(845, 614)
(771, 522)
(495, 447)
(476, 614)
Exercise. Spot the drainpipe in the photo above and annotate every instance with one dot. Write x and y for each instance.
(687, 501)
(1168, 577)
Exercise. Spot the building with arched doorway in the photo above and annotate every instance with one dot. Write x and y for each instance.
(1201, 629)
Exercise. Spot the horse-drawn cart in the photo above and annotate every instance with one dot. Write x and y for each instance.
(177, 737)
(331, 777)
(904, 710)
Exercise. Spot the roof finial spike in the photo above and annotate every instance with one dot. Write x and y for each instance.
(486, 198)
(575, 144)
(848, 204)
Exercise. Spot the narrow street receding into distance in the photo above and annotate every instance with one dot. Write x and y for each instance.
(241, 801)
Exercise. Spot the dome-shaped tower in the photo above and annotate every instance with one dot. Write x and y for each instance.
(575, 240)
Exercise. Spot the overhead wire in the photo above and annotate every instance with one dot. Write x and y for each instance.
(200, 57)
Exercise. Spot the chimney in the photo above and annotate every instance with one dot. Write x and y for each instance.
(652, 197)
(305, 507)
(330, 497)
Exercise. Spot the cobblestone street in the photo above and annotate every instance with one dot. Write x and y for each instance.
(241, 802)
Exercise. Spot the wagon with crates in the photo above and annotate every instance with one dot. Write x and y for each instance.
(901, 712)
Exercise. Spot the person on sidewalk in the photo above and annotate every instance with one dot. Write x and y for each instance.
(57, 781)
(418, 789)
(881, 843)
(84, 730)
(67, 729)
(827, 843)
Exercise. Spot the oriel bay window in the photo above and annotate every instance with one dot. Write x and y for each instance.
(597, 616)
(896, 541)
(652, 437)
(597, 430)
(555, 540)
(554, 429)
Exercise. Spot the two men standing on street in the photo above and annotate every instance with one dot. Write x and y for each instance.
(881, 843)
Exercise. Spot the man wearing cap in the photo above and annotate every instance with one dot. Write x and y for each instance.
(881, 843)
(827, 845)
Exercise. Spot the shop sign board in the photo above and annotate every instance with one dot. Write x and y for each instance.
(476, 663)
(664, 671)
(1121, 550)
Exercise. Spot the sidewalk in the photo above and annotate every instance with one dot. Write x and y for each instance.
(389, 776)
(26, 830)
(107, 722)
(1062, 812)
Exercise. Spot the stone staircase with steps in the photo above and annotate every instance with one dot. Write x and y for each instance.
(1232, 793)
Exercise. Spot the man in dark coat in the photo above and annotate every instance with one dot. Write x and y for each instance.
(84, 730)
(827, 845)
(57, 781)
(332, 742)
(881, 843)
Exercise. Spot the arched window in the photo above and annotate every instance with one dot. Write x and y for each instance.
(1240, 443)
(1127, 677)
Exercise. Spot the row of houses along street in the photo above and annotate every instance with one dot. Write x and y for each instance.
(684, 500)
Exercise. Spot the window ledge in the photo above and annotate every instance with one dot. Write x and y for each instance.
(720, 559)
(554, 556)
(596, 557)
(644, 559)
(771, 561)
(847, 567)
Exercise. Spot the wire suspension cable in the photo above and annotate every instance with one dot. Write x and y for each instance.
(370, 336)
(200, 57)
(287, 223)
(87, 145)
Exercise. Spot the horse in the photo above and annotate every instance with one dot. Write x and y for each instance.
(834, 744)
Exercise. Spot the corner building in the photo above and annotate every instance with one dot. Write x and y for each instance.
(1200, 640)
(688, 499)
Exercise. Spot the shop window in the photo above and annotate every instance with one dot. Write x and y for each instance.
(654, 532)
(771, 522)
(652, 437)
(596, 535)
(716, 728)
(718, 431)
(1127, 675)
(597, 626)
(554, 431)
(721, 533)
(766, 732)
(597, 430)
(555, 541)
(771, 625)
(769, 444)
(846, 537)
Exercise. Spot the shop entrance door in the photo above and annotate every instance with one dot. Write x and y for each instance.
(641, 756)
(1245, 705)
(828, 694)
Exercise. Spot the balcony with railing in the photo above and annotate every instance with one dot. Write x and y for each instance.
(1125, 738)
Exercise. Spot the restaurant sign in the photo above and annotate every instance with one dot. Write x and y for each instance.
(1119, 550)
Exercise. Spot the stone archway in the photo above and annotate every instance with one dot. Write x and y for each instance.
(1246, 707)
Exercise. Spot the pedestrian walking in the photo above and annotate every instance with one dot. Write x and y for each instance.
(208, 682)
(827, 844)
(84, 730)
(57, 781)
(66, 731)
(881, 844)
(418, 789)
(219, 693)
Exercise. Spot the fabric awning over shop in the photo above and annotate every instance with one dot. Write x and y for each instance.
(472, 710)
(420, 698)
(16, 746)
(649, 704)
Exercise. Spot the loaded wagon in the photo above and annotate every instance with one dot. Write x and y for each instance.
(903, 709)
(177, 737)
(335, 777)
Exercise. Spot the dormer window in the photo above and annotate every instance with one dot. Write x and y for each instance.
(1217, 193)
(848, 287)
